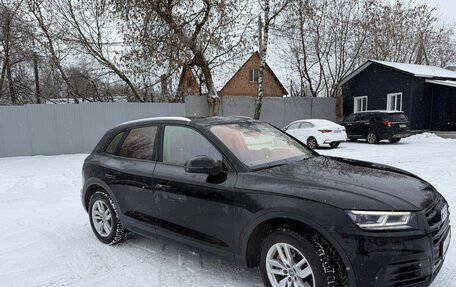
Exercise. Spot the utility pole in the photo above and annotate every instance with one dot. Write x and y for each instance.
(260, 34)
(37, 78)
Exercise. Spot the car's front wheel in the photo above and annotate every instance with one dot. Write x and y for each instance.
(104, 219)
(290, 259)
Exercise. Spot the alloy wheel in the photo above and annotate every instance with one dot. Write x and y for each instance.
(102, 218)
(287, 267)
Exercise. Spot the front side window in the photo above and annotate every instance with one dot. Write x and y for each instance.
(181, 144)
(259, 145)
(360, 104)
(394, 102)
(293, 126)
(139, 144)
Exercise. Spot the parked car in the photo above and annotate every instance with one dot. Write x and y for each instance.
(315, 132)
(375, 126)
(246, 191)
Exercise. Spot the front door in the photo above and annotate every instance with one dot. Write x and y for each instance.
(198, 206)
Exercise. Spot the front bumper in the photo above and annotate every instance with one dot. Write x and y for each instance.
(400, 258)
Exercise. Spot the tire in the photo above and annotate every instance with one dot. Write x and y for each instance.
(321, 268)
(372, 137)
(394, 140)
(104, 219)
(334, 145)
(312, 142)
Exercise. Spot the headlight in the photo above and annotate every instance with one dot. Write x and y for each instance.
(382, 220)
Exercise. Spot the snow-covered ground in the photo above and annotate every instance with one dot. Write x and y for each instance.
(47, 240)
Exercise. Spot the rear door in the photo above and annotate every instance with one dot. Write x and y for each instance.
(194, 208)
(128, 172)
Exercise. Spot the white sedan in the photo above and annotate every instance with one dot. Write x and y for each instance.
(317, 132)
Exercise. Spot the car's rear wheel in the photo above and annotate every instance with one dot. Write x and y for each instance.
(334, 145)
(104, 219)
(290, 259)
(394, 140)
(312, 142)
(372, 137)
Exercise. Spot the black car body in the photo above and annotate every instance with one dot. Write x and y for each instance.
(230, 213)
(377, 125)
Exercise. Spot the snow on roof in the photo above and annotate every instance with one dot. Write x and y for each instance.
(419, 70)
(422, 71)
(442, 83)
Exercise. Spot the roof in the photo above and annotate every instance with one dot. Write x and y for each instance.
(421, 71)
(256, 54)
(443, 83)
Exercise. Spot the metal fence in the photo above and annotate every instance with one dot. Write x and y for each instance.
(65, 129)
(69, 128)
(277, 111)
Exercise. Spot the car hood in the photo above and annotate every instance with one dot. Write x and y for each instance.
(352, 184)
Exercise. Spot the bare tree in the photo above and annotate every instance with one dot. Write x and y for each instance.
(177, 33)
(269, 17)
(47, 40)
(326, 39)
(86, 26)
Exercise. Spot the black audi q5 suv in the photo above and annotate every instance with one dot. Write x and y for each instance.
(247, 192)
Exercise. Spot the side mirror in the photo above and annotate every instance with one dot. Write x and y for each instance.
(202, 164)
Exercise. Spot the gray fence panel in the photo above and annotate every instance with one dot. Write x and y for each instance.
(238, 106)
(324, 108)
(14, 132)
(196, 106)
(272, 111)
(61, 129)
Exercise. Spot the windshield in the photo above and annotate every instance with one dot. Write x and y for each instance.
(259, 145)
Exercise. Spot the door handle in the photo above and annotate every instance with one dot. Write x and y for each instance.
(110, 175)
(162, 186)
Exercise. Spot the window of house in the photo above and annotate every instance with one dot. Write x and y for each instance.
(394, 102)
(112, 147)
(139, 143)
(181, 144)
(360, 104)
(253, 76)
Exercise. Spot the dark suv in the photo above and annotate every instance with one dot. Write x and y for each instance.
(249, 193)
(377, 125)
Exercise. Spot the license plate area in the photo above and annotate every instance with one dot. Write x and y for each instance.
(403, 126)
(337, 131)
(446, 244)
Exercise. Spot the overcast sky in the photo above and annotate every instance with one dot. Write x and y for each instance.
(446, 11)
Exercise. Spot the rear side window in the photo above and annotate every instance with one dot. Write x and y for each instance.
(399, 117)
(112, 147)
(139, 144)
(305, 125)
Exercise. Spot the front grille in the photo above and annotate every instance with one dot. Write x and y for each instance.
(439, 228)
(408, 273)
